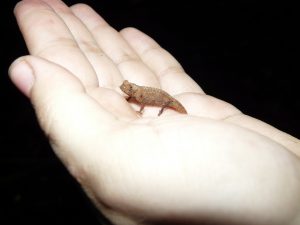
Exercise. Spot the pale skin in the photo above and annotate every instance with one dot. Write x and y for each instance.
(215, 164)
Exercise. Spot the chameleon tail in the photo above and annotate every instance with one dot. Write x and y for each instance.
(178, 107)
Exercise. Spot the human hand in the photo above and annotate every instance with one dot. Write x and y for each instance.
(214, 165)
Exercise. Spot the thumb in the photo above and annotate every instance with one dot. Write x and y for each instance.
(31, 74)
(67, 114)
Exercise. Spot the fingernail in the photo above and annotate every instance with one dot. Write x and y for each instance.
(21, 74)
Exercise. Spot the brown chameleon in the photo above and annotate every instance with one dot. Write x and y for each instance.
(151, 96)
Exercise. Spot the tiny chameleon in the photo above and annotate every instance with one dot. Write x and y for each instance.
(151, 96)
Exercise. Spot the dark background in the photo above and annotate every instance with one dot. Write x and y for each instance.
(241, 52)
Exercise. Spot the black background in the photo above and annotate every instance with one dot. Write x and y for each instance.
(241, 52)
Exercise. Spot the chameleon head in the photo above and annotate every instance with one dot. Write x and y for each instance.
(128, 88)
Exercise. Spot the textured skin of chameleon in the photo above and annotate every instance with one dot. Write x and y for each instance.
(151, 96)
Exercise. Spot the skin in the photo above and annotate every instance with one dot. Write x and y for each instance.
(215, 165)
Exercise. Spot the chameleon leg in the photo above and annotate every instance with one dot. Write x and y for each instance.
(162, 108)
(141, 109)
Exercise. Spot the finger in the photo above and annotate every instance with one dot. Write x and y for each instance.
(172, 77)
(286, 140)
(47, 36)
(115, 47)
(107, 73)
(66, 113)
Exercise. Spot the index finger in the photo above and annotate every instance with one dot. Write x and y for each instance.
(47, 36)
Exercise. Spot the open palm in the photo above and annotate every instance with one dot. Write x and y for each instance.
(213, 165)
